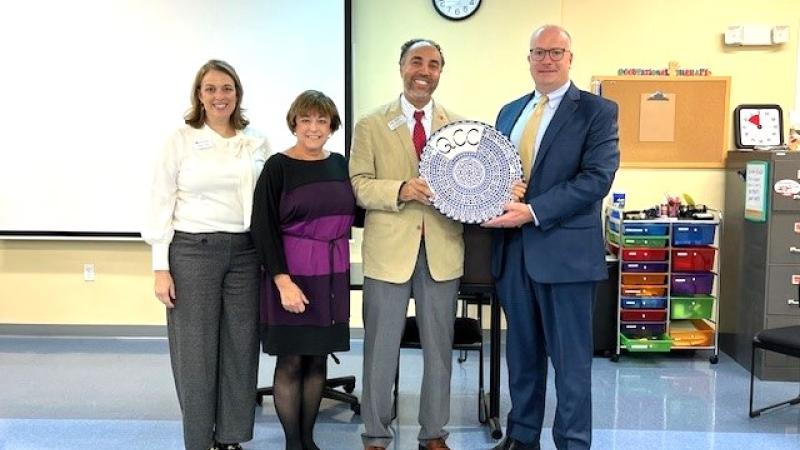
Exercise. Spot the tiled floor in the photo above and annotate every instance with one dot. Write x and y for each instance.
(102, 393)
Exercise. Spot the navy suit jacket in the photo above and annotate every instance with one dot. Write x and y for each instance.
(573, 171)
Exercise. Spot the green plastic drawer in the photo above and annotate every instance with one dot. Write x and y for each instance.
(661, 343)
(645, 241)
(692, 307)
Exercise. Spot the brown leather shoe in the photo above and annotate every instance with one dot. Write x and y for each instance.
(434, 444)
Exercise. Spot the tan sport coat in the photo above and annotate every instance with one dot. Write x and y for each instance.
(381, 159)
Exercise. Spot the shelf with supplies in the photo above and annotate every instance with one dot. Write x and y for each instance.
(668, 297)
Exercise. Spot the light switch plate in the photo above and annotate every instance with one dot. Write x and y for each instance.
(780, 34)
(734, 35)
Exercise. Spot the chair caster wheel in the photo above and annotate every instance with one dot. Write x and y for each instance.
(356, 409)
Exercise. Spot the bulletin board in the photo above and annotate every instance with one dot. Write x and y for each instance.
(671, 122)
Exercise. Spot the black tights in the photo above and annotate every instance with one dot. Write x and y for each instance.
(298, 384)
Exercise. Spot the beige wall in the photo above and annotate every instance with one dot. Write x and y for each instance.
(41, 281)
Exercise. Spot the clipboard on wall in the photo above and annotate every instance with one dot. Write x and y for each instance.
(657, 117)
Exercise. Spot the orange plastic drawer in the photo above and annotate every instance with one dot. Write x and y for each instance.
(648, 278)
(691, 333)
(643, 290)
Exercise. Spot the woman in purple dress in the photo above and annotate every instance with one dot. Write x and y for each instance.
(303, 209)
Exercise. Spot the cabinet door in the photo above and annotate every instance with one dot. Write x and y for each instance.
(782, 295)
(784, 169)
(784, 241)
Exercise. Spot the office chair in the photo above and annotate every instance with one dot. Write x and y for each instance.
(348, 384)
(476, 289)
(784, 340)
(467, 337)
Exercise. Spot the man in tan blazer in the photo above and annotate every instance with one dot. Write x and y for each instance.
(409, 249)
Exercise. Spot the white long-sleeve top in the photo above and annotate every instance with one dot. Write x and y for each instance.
(203, 183)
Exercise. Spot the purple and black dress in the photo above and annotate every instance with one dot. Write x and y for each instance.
(302, 214)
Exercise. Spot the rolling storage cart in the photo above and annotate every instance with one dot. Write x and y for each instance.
(668, 283)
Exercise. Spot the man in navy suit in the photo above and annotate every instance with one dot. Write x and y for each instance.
(548, 252)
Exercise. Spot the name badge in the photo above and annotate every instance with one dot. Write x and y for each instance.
(396, 122)
(203, 144)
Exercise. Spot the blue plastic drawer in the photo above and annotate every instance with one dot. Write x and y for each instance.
(643, 302)
(613, 226)
(693, 234)
(645, 267)
(646, 229)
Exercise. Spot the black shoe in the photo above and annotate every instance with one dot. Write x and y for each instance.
(234, 446)
(513, 444)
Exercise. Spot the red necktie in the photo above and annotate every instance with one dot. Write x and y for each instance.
(419, 133)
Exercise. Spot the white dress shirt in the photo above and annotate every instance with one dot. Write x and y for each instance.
(408, 111)
(203, 183)
(553, 100)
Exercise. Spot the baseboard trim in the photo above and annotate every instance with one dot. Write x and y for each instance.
(110, 331)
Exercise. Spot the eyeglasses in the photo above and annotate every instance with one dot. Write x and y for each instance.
(556, 54)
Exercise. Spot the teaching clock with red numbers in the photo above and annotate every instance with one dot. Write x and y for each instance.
(758, 125)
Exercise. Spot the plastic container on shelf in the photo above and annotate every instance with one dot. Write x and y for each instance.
(644, 278)
(658, 343)
(647, 229)
(643, 315)
(643, 290)
(695, 307)
(693, 259)
(644, 254)
(642, 329)
(693, 234)
(691, 283)
(644, 241)
(645, 267)
(643, 302)
(691, 333)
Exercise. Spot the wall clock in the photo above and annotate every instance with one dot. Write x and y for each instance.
(456, 9)
(758, 125)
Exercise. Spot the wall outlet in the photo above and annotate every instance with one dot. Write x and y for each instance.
(88, 272)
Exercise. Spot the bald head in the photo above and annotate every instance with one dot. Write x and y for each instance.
(550, 57)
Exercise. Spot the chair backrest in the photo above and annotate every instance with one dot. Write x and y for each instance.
(477, 256)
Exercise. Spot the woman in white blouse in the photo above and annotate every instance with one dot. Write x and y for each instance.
(206, 268)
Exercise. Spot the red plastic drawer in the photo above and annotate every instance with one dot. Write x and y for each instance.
(643, 315)
(644, 254)
(648, 278)
(693, 259)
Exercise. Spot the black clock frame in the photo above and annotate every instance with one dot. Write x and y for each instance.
(441, 13)
(737, 132)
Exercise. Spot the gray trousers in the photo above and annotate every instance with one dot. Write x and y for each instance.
(385, 306)
(213, 335)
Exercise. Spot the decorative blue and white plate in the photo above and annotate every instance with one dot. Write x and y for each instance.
(470, 167)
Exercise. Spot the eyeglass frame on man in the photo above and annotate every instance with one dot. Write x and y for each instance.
(561, 51)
